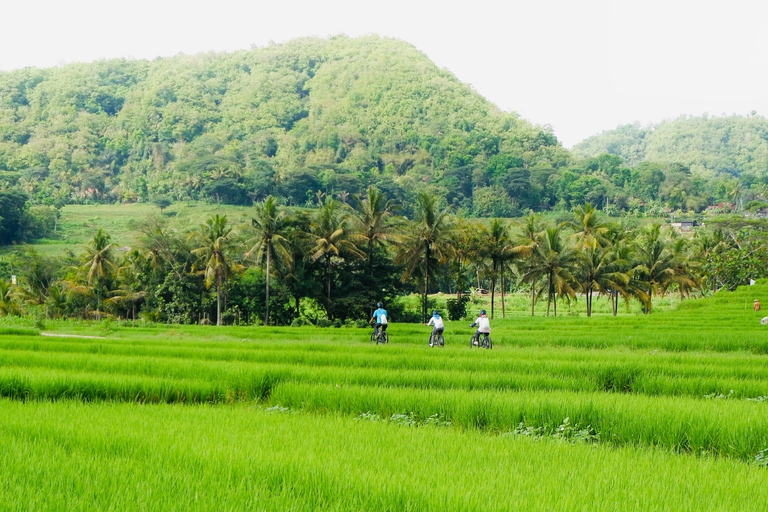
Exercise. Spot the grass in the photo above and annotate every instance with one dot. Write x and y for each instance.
(127, 457)
(79, 223)
(566, 413)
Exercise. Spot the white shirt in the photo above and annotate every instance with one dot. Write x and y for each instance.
(483, 324)
(437, 322)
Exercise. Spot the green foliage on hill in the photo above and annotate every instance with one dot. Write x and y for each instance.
(733, 145)
(334, 115)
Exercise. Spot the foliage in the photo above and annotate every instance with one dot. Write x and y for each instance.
(457, 308)
(333, 115)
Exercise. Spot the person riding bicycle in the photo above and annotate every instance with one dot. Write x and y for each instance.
(380, 317)
(483, 326)
(438, 328)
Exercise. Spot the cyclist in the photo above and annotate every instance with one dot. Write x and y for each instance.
(437, 330)
(483, 326)
(380, 317)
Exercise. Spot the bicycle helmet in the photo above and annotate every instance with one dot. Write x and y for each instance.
(435, 313)
(379, 305)
(482, 312)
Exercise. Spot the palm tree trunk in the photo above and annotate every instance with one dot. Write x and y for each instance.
(503, 310)
(426, 289)
(533, 296)
(554, 301)
(370, 258)
(218, 300)
(493, 292)
(266, 314)
(549, 292)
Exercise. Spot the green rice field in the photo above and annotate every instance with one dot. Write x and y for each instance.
(667, 411)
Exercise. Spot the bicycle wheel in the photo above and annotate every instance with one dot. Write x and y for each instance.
(487, 343)
(472, 342)
(384, 338)
(440, 341)
(373, 337)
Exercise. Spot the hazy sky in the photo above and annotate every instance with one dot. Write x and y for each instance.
(579, 66)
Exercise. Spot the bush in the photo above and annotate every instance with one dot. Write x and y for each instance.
(457, 308)
(298, 322)
(323, 322)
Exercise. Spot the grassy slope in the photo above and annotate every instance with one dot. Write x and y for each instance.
(79, 223)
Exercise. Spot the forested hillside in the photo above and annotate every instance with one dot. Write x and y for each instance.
(711, 149)
(332, 115)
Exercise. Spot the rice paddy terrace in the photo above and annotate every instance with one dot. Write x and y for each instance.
(637, 412)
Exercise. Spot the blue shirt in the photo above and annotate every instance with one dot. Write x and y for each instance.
(377, 314)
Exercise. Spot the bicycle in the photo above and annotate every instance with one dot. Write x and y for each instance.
(439, 342)
(485, 342)
(382, 337)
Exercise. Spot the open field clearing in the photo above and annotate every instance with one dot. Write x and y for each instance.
(639, 412)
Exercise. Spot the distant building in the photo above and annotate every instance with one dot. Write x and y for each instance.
(684, 225)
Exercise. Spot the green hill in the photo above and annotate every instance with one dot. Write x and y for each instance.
(734, 145)
(333, 115)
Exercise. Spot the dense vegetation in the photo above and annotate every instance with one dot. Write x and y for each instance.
(331, 264)
(564, 413)
(335, 116)
(707, 160)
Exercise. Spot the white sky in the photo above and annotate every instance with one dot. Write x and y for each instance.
(580, 66)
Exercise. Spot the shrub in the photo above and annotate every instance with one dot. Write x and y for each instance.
(323, 322)
(457, 308)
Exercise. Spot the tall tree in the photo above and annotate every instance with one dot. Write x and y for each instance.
(212, 240)
(332, 238)
(527, 246)
(687, 271)
(269, 222)
(498, 248)
(372, 219)
(426, 244)
(589, 231)
(100, 264)
(600, 271)
(554, 264)
(654, 264)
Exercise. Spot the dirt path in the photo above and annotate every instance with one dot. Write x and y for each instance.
(71, 336)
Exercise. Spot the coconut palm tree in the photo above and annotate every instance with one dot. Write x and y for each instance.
(212, 243)
(654, 262)
(100, 265)
(553, 264)
(465, 237)
(589, 230)
(498, 247)
(526, 246)
(687, 275)
(426, 244)
(269, 222)
(331, 237)
(599, 270)
(372, 219)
